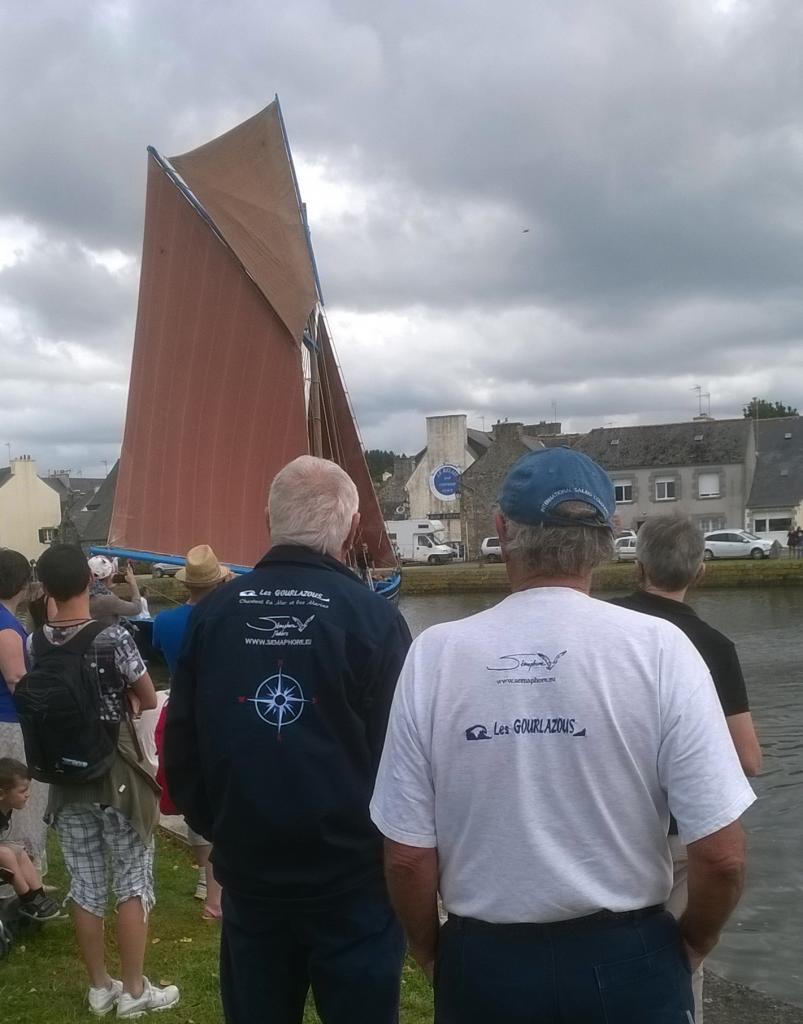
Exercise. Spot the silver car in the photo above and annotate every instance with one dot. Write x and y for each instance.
(160, 569)
(736, 544)
(625, 549)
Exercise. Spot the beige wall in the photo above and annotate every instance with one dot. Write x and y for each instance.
(26, 505)
(447, 442)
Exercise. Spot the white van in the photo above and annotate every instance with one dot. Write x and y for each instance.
(420, 540)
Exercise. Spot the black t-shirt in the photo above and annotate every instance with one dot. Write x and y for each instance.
(716, 650)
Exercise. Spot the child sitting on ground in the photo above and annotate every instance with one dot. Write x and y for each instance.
(16, 867)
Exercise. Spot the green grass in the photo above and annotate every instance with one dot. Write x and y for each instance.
(43, 981)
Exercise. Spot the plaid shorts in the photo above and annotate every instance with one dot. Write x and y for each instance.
(101, 846)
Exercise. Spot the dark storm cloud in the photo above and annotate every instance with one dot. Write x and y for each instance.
(594, 204)
(60, 291)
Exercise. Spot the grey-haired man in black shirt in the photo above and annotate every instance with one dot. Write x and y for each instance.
(669, 560)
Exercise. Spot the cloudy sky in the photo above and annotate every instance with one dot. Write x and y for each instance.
(516, 206)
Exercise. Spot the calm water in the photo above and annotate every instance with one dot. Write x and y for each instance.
(762, 946)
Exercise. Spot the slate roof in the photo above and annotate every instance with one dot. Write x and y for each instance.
(96, 529)
(777, 452)
(478, 441)
(80, 491)
(721, 443)
(5, 474)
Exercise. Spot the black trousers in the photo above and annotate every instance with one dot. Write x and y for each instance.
(349, 948)
(625, 970)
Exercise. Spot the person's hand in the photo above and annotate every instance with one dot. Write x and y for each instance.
(134, 704)
(695, 959)
(130, 578)
(425, 958)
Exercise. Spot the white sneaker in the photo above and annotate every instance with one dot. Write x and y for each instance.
(152, 998)
(102, 1000)
(200, 888)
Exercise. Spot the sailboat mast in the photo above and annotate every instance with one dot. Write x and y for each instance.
(314, 412)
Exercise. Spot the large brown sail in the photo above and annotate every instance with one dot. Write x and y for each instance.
(216, 400)
(342, 444)
(216, 405)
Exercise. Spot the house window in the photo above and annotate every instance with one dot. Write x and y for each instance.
(623, 491)
(709, 523)
(760, 525)
(47, 534)
(665, 489)
(780, 524)
(708, 485)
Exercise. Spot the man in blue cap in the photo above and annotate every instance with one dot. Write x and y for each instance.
(532, 757)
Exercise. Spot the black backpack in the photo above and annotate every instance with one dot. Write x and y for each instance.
(58, 704)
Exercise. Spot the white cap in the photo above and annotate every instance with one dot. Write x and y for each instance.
(100, 567)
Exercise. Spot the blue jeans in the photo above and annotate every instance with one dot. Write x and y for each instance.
(349, 948)
(618, 970)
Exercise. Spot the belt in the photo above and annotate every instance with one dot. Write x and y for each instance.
(600, 917)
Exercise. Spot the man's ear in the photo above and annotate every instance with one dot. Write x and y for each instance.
(352, 535)
(501, 527)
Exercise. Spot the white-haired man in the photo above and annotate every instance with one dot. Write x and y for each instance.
(275, 727)
(533, 754)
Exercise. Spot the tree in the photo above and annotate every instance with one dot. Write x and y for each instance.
(761, 409)
(379, 462)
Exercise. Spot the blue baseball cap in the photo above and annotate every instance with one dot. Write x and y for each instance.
(542, 480)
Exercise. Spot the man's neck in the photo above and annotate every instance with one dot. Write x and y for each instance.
(72, 611)
(522, 580)
(11, 603)
(670, 595)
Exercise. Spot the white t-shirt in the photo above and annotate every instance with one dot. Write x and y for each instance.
(540, 746)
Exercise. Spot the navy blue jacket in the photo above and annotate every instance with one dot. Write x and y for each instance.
(276, 721)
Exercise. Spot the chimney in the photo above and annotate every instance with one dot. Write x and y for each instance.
(507, 431)
(23, 465)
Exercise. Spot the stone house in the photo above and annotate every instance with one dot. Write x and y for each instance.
(775, 502)
(703, 469)
(96, 529)
(481, 481)
(77, 497)
(392, 492)
(30, 510)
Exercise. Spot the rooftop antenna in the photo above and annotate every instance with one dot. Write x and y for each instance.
(698, 388)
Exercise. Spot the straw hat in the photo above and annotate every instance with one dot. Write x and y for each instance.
(202, 568)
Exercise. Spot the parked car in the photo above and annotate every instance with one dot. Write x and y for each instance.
(624, 549)
(736, 544)
(159, 569)
(491, 550)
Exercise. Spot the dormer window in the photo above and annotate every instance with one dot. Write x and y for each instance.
(698, 437)
(787, 437)
(615, 441)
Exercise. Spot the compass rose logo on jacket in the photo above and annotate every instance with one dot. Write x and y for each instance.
(279, 700)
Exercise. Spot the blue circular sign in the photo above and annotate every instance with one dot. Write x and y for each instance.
(444, 482)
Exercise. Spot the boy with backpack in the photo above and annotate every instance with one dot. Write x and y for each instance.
(74, 708)
(16, 867)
